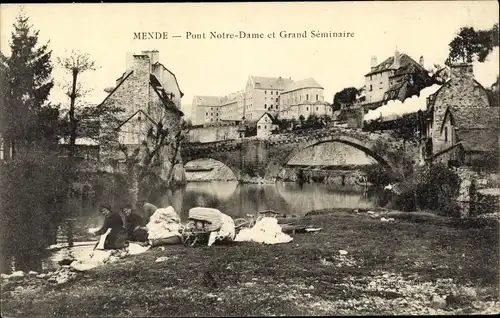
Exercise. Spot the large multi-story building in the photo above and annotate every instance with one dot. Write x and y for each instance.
(263, 95)
(303, 98)
(205, 109)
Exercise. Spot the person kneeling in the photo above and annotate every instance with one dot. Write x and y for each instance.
(134, 225)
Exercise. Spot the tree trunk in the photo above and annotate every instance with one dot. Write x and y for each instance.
(72, 120)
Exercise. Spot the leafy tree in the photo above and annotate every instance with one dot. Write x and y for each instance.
(347, 96)
(28, 82)
(471, 44)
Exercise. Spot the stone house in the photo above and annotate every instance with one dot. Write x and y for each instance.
(459, 116)
(397, 77)
(265, 125)
(149, 94)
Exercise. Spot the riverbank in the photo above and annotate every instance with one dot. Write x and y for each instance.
(398, 267)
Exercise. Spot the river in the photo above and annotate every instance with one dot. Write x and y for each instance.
(236, 200)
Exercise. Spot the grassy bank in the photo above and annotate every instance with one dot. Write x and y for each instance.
(400, 267)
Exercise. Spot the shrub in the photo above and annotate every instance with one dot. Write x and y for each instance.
(34, 189)
(432, 188)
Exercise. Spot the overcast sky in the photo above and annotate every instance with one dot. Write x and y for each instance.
(215, 67)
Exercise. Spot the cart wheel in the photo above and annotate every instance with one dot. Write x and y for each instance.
(194, 240)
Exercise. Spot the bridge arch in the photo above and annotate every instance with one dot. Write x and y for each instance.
(234, 168)
(279, 160)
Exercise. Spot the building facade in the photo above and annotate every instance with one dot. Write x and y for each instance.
(302, 98)
(263, 95)
(266, 125)
(394, 78)
(205, 109)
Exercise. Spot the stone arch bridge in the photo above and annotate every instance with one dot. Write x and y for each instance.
(251, 157)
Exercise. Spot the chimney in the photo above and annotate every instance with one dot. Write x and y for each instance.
(421, 62)
(373, 62)
(154, 56)
(129, 60)
(397, 59)
(461, 71)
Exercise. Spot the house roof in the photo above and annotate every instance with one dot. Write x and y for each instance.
(153, 82)
(207, 100)
(165, 100)
(477, 140)
(270, 82)
(466, 118)
(124, 78)
(273, 119)
(176, 82)
(305, 83)
(132, 116)
(388, 64)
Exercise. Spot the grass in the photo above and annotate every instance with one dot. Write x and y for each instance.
(390, 268)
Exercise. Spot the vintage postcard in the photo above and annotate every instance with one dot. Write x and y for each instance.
(249, 159)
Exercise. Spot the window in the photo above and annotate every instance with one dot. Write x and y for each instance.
(316, 108)
(258, 127)
(371, 87)
(276, 100)
(317, 97)
(265, 106)
(445, 133)
(265, 126)
(206, 114)
(271, 92)
(1, 149)
(307, 108)
(307, 96)
(265, 92)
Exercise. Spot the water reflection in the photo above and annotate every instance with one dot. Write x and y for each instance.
(238, 200)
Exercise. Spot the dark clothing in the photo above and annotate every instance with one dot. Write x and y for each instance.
(115, 238)
(132, 223)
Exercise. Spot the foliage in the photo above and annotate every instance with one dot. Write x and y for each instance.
(378, 174)
(471, 44)
(33, 190)
(347, 96)
(433, 188)
(27, 83)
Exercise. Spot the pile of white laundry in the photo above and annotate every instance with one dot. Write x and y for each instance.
(266, 231)
(164, 223)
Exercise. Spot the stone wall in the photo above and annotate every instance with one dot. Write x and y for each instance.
(213, 133)
(472, 198)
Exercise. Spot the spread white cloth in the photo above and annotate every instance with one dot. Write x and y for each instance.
(266, 231)
(102, 239)
(98, 258)
(164, 223)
